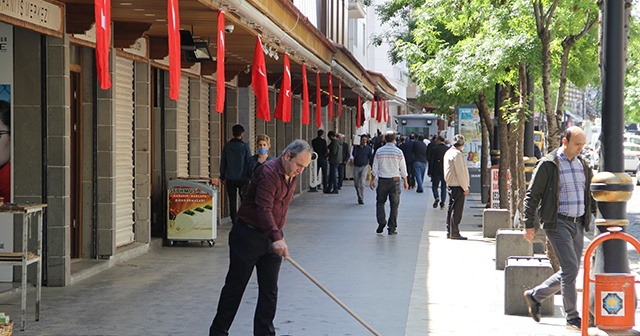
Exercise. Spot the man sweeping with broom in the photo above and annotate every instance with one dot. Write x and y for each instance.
(256, 239)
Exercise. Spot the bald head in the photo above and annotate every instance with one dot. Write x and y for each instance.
(573, 141)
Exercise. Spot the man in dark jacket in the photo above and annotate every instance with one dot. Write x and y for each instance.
(342, 167)
(560, 188)
(335, 157)
(432, 144)
(436, 172)
(362, 157)
(407, 151)
(320, 147)
(235, 162)
(419, 161)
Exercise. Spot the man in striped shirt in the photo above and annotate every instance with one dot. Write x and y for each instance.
(560, 189)
(388, 168)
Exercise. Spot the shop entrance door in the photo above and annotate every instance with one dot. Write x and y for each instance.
(76, 165)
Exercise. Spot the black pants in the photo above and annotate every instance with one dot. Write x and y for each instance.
(333, 177)
(411, 175)
(456, 206)
(341, 173)
(248, 248)
(234, 188)
(323, 164)
(388, 188)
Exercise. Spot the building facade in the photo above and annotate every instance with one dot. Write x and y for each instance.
(101, 159)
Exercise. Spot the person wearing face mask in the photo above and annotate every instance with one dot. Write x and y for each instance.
(263, 144)
(5, 151)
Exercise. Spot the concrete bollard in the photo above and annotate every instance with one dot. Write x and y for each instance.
(521, 274)
(494, 219)
(511, 242)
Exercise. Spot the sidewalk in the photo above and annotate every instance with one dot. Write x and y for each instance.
(416, 283)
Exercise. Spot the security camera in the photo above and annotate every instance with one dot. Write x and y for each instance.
(229, 28)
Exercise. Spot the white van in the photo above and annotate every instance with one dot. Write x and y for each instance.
(632, 138)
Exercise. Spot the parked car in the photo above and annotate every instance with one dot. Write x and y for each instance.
(631, 157)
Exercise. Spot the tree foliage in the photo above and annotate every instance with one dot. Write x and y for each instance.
(632, 78)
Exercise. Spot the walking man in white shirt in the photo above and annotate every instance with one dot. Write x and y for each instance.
(388, 168)
(456, 174)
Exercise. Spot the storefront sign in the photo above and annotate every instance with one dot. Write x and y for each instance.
(6, 82)
(39, 15)
(471, 128)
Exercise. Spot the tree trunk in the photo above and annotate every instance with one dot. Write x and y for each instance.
(487, 133)
(543, 22)
(524, 99)
(504, 152)
(568, 43)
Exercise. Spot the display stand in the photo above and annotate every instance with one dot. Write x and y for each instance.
(25, 258)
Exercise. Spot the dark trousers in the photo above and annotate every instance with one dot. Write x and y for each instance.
(333, 177)
(322, 164)
(234, 188)
(411, 175)
(567, 241)
(388, 188)
(248, 248)
(438, 181)
(341, 172)
(454, 214)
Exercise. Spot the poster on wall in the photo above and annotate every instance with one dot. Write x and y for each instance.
(6, 83)
(471, 128)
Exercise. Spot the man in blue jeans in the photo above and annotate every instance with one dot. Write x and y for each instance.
(436, 172)
(388, 168)
(419, 162)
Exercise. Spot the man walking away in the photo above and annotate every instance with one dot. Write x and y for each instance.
(235, 164)
(257, 241)
(560, 189)
(436, 172)
(419, 161)
(335, 157)
(407, 151)
(361, 157)
(320, 147)
(456, 174)
(388, 168)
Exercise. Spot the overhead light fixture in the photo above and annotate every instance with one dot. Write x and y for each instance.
(194, 51)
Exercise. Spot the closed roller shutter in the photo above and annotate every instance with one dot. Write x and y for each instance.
(204, 129)
(123, 153)
(183, 128)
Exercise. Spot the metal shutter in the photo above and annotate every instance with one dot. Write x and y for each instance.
(204, 129)
(123, 153)
(183, 128)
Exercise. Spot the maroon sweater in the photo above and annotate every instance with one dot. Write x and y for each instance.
(267, 200)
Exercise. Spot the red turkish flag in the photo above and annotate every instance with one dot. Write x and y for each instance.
(386, 111)
(373, 107)
(386, 102)
(305, 96)
(283, 104)
(220, 80)
(330, 97)
(359, 116)
(318, 102)
(339, 97)
(379, 115)
(173, 16)
(103, 41)
(259, 82)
